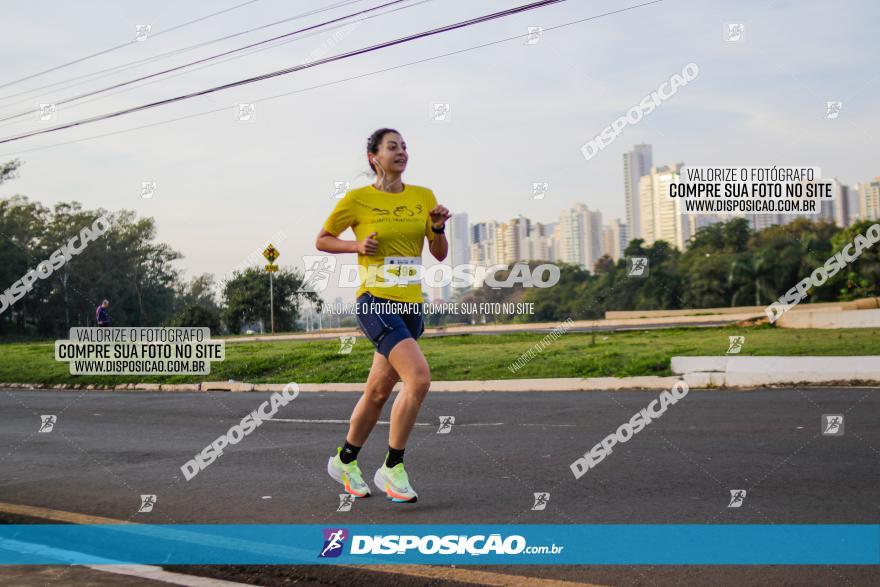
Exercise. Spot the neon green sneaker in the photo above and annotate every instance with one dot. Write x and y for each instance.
(395, 483)
(348, 474)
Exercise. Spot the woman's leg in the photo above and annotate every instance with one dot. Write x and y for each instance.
(368, 409)
(407, 360)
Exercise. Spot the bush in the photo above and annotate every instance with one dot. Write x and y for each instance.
(196, 315)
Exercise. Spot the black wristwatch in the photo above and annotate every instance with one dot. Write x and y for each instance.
(440, 230)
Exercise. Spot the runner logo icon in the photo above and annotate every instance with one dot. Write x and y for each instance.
(334, 541)
(832, 424)
(47, 423)
(317, 272)
(737, 497)
(446, 423)
(147, 503)
(345, 502)
(541, 500)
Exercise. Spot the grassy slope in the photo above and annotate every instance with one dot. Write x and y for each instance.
(469, 357)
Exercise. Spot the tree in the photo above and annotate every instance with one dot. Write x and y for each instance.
(197, 315)
(23, 227)
(605, 264)
(196, 304)
(8, 169)
(862, 277)
(748, 279)
(125, 265)
(246, 298)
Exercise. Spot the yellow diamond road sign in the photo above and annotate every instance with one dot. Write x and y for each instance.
(271, 253)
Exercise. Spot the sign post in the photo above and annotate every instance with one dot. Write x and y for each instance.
(271, 253)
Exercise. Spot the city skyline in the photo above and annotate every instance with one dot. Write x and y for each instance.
(580, 237)
(215, 175)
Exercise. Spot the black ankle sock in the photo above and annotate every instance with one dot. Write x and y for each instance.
(349, 453)
(395, 455)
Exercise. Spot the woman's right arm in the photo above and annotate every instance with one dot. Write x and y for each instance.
(330, 243)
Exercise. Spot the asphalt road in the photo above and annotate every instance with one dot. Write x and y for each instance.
(108, 448)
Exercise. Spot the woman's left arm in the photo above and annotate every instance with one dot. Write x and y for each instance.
(439, 246)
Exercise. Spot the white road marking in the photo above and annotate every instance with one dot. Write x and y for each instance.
(551, 425)
(151, 572)
(384, 422)
(387, 423)
(160, 574)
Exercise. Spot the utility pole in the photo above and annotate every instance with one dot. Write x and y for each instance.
(271, 253)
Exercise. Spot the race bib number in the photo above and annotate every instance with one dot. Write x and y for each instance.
(402, 270)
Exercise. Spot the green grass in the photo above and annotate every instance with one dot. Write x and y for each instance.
(469, 356)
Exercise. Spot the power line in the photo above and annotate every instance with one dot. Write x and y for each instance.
(286, 71)
(116, 68)
(238, 56)
(105, 51)
(206, 59)
(327, 84)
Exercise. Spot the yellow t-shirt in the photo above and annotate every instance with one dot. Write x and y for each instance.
(402, 223)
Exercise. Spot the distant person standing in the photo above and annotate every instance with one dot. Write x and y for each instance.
(102, 315)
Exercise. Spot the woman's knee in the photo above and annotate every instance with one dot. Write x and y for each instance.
(410, 364)
(419, 379)
(378, 394)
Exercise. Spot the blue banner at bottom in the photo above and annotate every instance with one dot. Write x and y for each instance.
(475, 544)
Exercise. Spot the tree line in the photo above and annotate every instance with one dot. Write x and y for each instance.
(127, 266)
(725, 265)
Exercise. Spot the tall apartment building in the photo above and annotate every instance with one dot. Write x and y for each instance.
(458, 233)
(869, 200)
(636, 163)
(539, 243)
(510, 238)
(660, 214)
(615, 239)
(580, 236)
(762, 221)
(459, 239)
(840, 209)
(483, 245)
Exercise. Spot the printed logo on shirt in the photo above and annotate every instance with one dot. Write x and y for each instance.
(404, 211)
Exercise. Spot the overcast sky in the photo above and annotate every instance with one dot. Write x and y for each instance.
(520, 113)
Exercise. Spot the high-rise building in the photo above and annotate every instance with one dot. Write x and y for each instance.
(661, 215)
(539, 243)
(838, 209)
(551, 234)
(852, 203)
(608, 241)
(511, 240)
(636, 163)
(762, 221)
(614, 239)
(483, 245)
(841, 210)
(580, 236)
(869, 200)
(459, 237)
(482, 231)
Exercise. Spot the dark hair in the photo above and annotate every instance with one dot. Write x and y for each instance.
(374, 141)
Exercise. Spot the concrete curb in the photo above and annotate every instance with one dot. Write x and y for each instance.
(830, 319)
(697, 372)
(739, 371)
(490, 385)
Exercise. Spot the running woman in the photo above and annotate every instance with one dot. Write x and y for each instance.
(390, 221)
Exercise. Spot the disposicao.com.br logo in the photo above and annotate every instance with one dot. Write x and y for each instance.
(450, 544)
